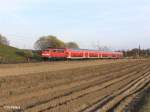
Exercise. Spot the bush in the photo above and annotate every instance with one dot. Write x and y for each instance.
(27, 54)
(37, 57)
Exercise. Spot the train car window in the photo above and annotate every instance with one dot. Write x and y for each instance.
(54, 51)
(60, 51)
(46, 50)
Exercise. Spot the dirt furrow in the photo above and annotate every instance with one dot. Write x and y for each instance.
(52, 103)
(96, 83)
(100, 103)
(135, 88)
(85, 88)
(78, 83)
(51, 82)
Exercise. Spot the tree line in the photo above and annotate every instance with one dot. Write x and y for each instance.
(45, 42)
(51, 41)
(137, 53)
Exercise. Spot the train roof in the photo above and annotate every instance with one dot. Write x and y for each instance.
(78, 49)
(92, 50)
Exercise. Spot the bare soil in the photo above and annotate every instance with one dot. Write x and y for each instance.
(78, 86)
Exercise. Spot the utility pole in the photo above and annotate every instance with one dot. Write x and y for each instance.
(139, 50)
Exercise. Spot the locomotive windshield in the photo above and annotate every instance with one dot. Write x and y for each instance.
(55, 50)
(58, 50)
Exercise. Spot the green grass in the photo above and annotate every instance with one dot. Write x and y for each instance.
(9, 54)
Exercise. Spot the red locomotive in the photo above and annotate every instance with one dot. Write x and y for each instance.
(66, 53)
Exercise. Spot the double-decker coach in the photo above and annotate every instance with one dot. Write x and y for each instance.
(66, 53)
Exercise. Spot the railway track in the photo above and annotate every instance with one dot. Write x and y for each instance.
(105, 88)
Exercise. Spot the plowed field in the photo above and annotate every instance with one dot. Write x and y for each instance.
(88, 86)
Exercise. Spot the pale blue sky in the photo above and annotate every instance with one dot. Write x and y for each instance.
(120, 24)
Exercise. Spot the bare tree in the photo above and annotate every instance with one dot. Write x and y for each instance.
(100, 47)
(105, 48)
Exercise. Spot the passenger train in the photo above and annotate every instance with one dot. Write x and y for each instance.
(68, 53)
